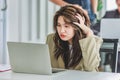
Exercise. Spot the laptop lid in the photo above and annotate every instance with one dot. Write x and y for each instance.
(110, 28)
(29, 58)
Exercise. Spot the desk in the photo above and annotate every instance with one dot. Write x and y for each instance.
(67, 75)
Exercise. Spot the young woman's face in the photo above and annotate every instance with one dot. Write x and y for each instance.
(65, 31)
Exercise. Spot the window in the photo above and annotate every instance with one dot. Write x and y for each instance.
(111, 4)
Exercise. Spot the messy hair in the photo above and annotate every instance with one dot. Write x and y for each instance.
(62, 47)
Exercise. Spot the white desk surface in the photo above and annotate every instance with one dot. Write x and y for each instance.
(67, 75)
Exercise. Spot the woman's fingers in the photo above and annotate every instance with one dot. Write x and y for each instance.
(81, 20)
(85, 29)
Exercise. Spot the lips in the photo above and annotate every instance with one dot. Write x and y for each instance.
(62, 36)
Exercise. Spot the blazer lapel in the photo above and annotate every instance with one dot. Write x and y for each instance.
(60, 62)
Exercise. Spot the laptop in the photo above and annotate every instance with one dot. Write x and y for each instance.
(110, 28)
(30, 58)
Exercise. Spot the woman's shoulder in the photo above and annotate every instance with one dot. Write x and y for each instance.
(98, 39)
(94, 36)
(50, 38)
(51, 35)
(92, 39)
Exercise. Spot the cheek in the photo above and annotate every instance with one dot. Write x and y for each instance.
(71, 33)
(58, 30)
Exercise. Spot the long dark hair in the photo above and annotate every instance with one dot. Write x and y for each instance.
(62, 47)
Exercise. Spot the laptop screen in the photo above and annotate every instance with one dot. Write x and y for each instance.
(29, 58)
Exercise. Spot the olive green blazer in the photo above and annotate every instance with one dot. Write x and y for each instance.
(90, 47)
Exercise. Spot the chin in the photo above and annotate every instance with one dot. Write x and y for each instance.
(64, 39)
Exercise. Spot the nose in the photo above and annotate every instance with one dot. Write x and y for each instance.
(62, 29)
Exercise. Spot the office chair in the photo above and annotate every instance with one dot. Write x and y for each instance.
(110, 46)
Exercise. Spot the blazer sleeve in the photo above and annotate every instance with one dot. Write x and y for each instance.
(51, 45)
(90, 47)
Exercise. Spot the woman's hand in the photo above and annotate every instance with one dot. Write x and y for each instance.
(81, 24)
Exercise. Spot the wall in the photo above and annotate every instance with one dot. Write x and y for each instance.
(29, 20)
(109, 3)
(2, 31)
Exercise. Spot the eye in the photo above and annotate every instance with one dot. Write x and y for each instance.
(66, 26)
(58, 25)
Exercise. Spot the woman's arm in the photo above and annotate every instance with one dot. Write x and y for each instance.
(94, 4)
(90, 51)
(59, 2)
(63, 3)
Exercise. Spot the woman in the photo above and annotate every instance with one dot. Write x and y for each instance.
(73, 45)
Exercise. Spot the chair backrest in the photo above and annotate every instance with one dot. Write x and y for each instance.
(110, 46)
(110, 28)
(110, 31)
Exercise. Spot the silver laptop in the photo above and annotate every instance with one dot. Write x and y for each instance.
(30, 58)
(110, 28)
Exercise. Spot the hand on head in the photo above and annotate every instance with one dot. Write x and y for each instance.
(81, 24)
